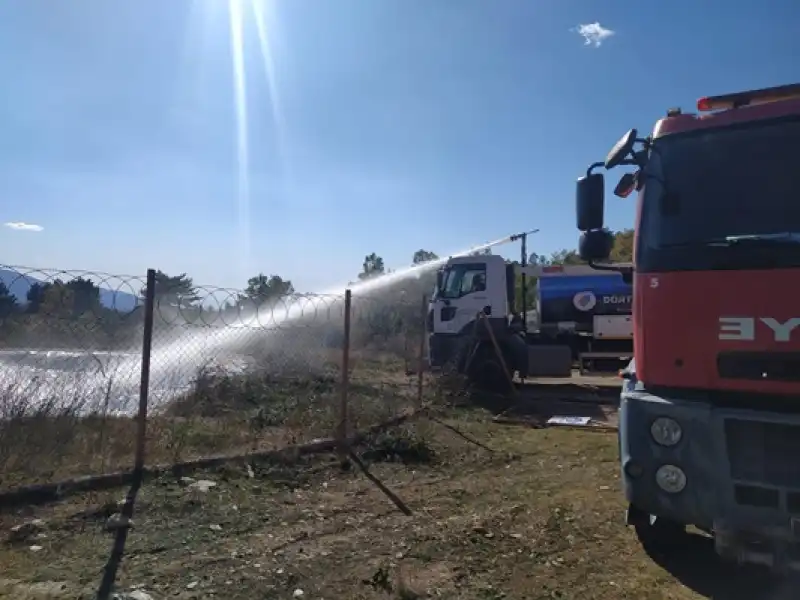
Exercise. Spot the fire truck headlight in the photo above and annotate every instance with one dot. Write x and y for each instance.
(666, 431)
(671, 479)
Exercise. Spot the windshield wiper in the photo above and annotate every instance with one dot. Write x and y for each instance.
(784, 237)
(755, 239)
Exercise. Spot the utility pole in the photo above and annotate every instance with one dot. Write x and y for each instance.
(523, 237)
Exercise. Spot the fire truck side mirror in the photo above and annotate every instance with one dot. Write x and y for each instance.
(595, 245)
(589, 201)
(439, 279)
(627, 183)
(621, 149)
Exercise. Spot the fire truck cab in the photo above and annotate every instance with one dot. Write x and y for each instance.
(709, 423)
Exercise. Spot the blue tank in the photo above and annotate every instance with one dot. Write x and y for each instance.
(578, 298)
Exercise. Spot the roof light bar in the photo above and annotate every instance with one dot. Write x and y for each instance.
(726, 101)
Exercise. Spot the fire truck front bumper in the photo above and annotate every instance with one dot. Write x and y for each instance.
(733, 472)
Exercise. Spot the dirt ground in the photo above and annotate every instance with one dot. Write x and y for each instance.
(586, 380)
(539, 516)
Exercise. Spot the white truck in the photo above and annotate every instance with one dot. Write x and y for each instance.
(580, 315)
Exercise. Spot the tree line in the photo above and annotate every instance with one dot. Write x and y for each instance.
(81, 295)
(400, 312)
(70, 298)
(79, 300)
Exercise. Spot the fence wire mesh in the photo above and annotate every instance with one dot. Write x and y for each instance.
(385, 343)
(69, 372)
(231, 374)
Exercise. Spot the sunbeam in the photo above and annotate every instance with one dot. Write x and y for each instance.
(242, 145)
(263, 29)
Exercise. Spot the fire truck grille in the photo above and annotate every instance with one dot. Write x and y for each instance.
(765, 453)
(759, 366)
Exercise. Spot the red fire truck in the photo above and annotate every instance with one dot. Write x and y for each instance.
(710, 410)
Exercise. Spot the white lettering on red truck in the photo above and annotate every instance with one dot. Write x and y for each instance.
(747, 329)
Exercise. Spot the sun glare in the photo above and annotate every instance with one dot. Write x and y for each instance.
(264, 25)
(242, 143)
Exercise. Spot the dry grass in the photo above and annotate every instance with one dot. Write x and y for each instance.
(540, 517)
(264, 408)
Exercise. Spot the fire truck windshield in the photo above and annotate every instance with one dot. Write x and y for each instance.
(707, 191)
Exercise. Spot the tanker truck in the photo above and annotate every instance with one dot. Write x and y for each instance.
(587, 309)
(579, 314)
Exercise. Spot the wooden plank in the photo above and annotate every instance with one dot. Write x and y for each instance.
(620, 355)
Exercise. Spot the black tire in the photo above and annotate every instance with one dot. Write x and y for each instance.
(486, 372)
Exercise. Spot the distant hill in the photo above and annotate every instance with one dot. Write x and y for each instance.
(19, 284)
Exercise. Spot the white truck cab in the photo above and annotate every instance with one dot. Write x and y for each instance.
(467, 285)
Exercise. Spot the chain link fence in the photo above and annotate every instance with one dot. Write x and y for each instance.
(386, 347)
(111, 384)
(68, 375)
(232, 374)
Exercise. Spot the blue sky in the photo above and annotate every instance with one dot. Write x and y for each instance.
(398, 124)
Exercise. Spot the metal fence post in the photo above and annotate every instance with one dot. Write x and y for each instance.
(144, 382)
(421, 357)
(118, 549)
(342, 430)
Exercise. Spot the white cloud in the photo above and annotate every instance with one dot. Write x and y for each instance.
(594, 33)
(21, 226)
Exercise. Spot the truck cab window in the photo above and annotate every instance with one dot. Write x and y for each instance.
(722, 182)
(705, 185)
(463, 279)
